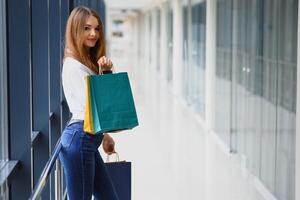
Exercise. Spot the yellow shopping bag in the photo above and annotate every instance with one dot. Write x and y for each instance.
(88, 122)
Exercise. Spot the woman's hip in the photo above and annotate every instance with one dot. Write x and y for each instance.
(74, 138)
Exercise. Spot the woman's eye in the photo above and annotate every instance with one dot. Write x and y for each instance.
(97, 29)
(86, 28)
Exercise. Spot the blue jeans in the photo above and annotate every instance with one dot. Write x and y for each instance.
(85, 172)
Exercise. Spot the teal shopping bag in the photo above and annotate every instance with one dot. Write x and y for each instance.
(112, 104)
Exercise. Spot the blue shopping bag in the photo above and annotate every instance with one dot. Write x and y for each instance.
(120, 173)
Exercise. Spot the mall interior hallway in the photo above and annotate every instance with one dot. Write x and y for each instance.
(173, 157)
(216, 86)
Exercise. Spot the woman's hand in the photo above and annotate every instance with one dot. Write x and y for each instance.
(105, 64)
(108, 144)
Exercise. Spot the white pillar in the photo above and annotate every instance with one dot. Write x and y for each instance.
(163, 41)
(108, 30)
(297, 182)
(147, 39)
(154, 39)
(210, 62)
(140, 43)
(177, 47)
(136, 43)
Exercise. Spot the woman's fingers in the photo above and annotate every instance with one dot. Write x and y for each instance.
(105, 64)
(108, 144)
(110, 62)
(103, 61)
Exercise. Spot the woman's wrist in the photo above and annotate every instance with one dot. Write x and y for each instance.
(106, 136)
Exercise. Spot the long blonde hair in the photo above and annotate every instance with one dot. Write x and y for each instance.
(74, 40)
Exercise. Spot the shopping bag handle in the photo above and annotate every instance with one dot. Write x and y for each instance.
(117, 156)
(107, 72)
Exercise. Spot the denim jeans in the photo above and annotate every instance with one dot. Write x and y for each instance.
(85, 172)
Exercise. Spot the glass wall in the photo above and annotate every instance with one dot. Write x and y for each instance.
(223, 70)
(150, 28)
(286, 99)
(194, 37)
(169, 41)
(186, 21)
(256, 87)
(246, 74)
(157, 13)
(198, 36)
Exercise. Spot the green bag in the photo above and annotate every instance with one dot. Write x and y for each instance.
(111, 103)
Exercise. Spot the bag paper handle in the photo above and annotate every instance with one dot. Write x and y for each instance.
(117, 156)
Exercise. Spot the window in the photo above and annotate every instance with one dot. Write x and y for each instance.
(157, 12)
(169, 19)
(3, 96)
(256, 69)
(3, 85)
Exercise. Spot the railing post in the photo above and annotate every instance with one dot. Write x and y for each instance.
(58, 193)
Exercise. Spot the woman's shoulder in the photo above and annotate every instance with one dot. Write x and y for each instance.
(72, 64)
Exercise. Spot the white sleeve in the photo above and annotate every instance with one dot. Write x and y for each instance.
(74, 85)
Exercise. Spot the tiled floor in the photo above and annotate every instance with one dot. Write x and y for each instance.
(172, 156)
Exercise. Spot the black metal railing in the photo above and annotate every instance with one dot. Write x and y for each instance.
(38, 189)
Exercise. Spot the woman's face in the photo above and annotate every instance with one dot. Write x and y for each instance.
(91, 32)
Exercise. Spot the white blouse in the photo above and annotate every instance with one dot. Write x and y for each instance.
(74, 86)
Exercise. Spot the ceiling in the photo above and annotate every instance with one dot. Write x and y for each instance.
(126, 4)
(122, 9)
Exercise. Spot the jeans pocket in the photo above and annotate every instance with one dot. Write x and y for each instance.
(67, 138)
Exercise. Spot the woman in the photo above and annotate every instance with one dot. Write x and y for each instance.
(84, 55)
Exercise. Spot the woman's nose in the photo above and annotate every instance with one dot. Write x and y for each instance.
(93, 32)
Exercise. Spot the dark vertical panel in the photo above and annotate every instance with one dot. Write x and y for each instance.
(3, 83)
(40, 90)
(97, 5)
(18, 21)
(54, 79)
(65, 8)
(55, 63)
(102, 11)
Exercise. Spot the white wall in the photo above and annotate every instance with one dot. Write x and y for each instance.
(177, 48)
(163, 38)
(153, 39)
(210, 62)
